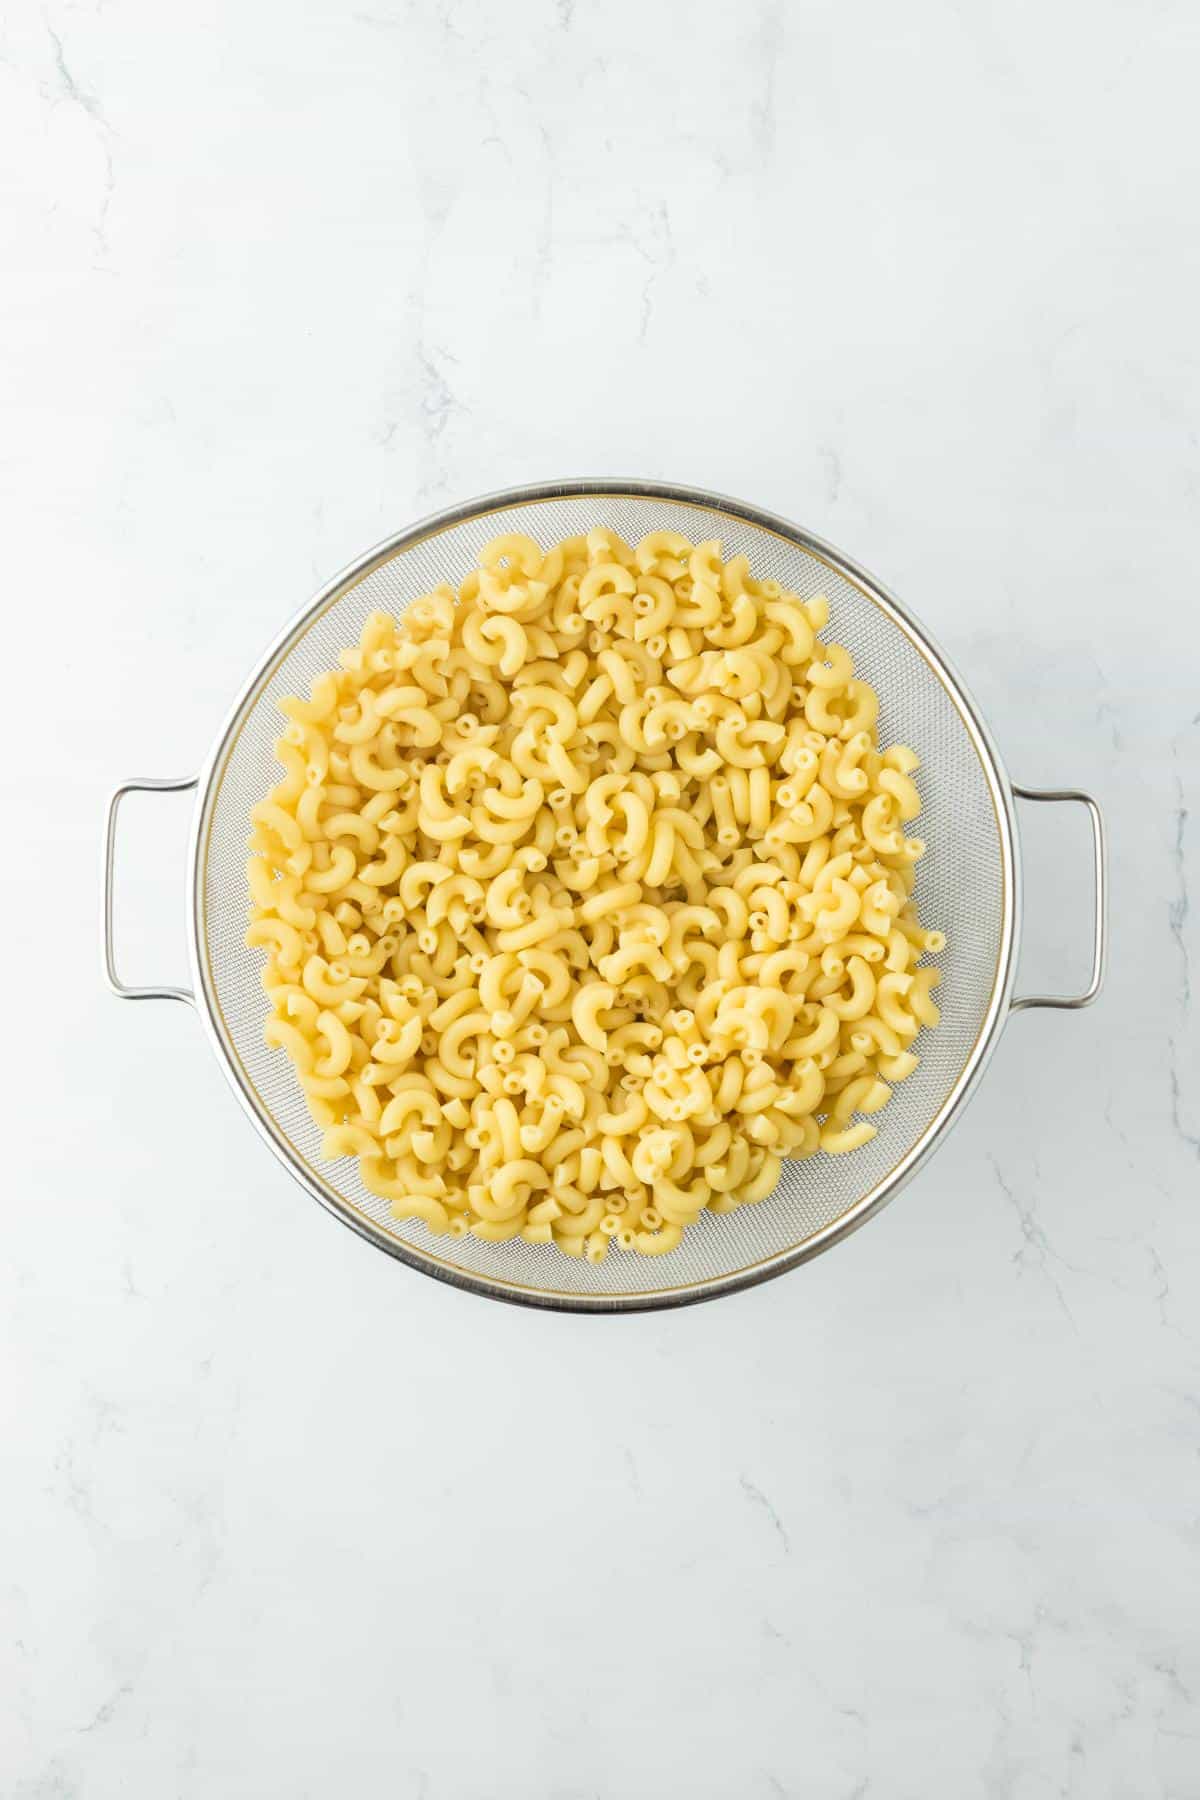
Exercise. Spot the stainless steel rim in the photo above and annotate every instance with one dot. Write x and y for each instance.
(998, 1008)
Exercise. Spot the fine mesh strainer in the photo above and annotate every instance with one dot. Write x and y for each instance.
(968, 885)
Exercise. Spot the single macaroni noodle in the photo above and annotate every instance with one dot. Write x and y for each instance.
(586, 896)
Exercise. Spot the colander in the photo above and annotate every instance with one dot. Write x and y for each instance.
(968, 885)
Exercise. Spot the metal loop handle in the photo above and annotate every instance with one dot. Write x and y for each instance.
(1100, 916)
(141, 785)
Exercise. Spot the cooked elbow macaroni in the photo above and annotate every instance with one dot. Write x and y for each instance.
(586, 896)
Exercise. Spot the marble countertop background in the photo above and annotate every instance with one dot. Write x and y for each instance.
(920, 1521)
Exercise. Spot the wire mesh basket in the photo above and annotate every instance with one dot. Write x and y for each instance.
(968, 885)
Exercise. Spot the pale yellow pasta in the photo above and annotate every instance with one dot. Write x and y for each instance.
(586, 897)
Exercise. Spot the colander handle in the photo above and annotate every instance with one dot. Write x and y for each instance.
(1100, 914)
(138, 784)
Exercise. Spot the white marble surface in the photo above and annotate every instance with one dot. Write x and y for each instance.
(280, 1518)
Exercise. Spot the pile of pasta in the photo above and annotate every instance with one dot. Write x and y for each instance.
(587, 896)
